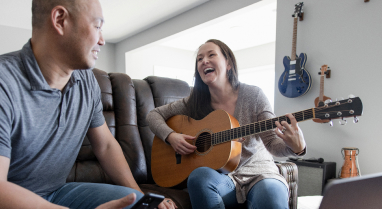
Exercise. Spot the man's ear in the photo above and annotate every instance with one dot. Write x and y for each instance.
(59, 18)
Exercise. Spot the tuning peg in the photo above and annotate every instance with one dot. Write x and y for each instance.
(351, 96)
(355, 120)
(343, 121)
(331, 123)
(327, 101)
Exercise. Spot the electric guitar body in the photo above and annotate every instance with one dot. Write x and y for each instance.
(295, 81)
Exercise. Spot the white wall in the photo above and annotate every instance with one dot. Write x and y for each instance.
(140, 63)
(106, 58)
(13, 39)
(186, 20)
(256, 56)
(346, 36)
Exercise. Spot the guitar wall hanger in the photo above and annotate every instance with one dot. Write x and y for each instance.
(327, 73)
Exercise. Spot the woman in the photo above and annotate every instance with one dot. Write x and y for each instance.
(256, 181)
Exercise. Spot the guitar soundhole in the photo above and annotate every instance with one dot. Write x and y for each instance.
(203, 142)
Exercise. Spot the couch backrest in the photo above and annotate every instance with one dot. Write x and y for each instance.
(150, 93)
(126, 103)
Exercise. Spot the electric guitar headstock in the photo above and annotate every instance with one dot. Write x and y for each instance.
(351, 107)
(298, 11)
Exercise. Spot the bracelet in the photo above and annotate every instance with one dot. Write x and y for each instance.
(301, 152)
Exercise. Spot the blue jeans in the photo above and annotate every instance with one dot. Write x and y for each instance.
(89, 195)
(210, 189)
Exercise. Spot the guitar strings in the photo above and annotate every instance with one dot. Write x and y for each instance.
(238, 132)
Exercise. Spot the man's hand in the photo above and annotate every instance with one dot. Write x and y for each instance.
(179, 143)
(167, 204)
(120, 203)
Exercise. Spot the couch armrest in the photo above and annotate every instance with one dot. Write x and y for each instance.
(290, 172)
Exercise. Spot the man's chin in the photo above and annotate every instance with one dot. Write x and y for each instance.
(85, 66)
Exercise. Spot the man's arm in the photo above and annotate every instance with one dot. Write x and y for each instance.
(110, 156)
(14, 196)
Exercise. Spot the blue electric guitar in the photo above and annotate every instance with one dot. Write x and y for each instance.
(295, 80)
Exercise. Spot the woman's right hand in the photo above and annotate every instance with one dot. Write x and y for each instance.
(179, 143)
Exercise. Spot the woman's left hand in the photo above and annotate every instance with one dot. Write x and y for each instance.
(291, 134)
(167, 204)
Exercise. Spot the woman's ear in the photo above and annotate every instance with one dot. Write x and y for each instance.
(228, 67)
(59, 17)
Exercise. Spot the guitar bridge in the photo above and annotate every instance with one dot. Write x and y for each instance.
(178, 158)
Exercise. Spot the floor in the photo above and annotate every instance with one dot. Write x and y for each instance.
(309, 202)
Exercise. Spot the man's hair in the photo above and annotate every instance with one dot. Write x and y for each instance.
(41, 10)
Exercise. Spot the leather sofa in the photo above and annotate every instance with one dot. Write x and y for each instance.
(126, 103)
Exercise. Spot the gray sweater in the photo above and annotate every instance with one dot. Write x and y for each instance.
(256, 161)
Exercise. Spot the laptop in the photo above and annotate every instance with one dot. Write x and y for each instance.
(363, 192)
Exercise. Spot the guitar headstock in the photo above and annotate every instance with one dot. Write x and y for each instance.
(351, 107)
(298, 10)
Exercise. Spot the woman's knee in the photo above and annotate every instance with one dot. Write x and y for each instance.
(200, 174)
(268, 193)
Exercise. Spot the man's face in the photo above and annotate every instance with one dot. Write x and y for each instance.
(85, 36)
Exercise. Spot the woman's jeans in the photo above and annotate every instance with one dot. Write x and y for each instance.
(89, 195)
(210, 189)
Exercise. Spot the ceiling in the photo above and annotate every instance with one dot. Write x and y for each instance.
(248, 27)
(124, 18)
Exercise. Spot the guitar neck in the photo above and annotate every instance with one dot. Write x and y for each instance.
(258, 127)
(294, 42)
(321, 97)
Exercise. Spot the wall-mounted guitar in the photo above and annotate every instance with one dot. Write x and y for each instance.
(319, 101)
(295, 81)
(216, 140)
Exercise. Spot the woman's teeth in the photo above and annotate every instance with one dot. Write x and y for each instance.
(208, 70)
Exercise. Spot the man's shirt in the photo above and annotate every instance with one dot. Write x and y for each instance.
(42, 129)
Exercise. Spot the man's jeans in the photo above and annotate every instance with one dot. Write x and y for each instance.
(89, 195)
(209, 189)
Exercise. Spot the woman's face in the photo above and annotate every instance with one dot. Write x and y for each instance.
(211, 64)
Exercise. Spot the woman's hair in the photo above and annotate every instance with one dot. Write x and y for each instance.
(199, 104)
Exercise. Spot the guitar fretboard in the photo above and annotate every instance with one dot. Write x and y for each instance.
(294, 41)
(258, 127)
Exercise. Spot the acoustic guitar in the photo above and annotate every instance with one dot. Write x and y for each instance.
(295, 81)
(319, 101)
(216, 140)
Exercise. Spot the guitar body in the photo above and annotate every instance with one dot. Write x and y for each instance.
(319, 103)
(295, 81)
(169, 169)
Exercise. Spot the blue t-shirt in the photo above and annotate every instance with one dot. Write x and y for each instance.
(42, 129)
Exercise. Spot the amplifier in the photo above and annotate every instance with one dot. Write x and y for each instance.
(312, 176)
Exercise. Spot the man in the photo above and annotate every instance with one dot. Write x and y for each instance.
(47, 107)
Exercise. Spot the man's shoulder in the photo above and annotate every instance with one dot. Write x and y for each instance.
(10, 66)
(10, 59)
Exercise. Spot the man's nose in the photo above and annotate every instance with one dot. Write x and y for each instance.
(101, 41)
